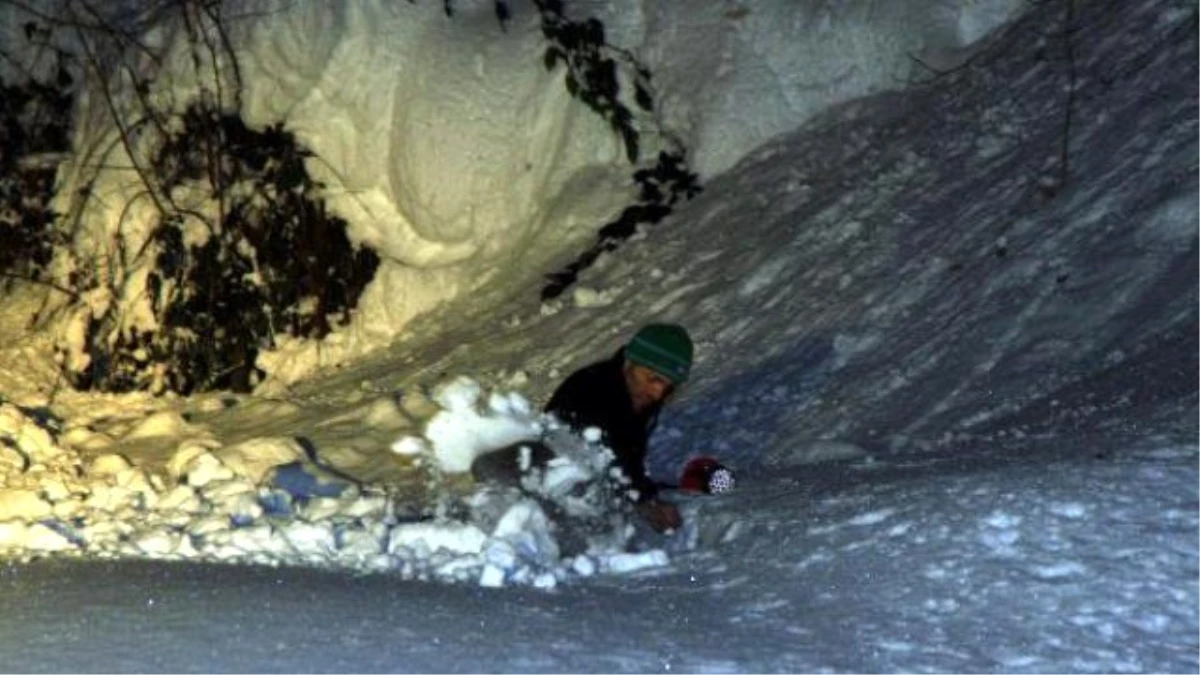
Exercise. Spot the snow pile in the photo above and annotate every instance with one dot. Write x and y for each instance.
(272, 500)
(462, 432)
(562, 518)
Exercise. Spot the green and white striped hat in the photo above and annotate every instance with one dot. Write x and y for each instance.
(663, 348)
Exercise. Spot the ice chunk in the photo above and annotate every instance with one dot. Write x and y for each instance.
(623, 563)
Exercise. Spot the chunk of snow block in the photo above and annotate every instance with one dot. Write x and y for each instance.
(463, 430)
(208, 525)
(185, 454)
(108, 465)
(182, 498)
(31, 440)
(527, 529)
(584, 566)
(112, 499)
(54, 489)
(159, 424)
(320, 508)
(453, 537)
(492, 577)
(23, 505)
(255, 458)
(35, 537)
(63, 529)
(83, 438)
(205, 469)
(310, 538)
(245, 507)
(12, 534)
(366, 506)
(276, 503)
(261, 539)
(364, 544)
(227, 490)
(12, 460)
(623, 563)
(42, 538)
(158, 543)
(501, 554)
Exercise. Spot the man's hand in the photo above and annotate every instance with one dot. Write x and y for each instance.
(662, 516)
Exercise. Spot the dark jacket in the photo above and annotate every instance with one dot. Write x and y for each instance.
(596, 396)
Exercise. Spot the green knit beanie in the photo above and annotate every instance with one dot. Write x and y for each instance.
(663, 348)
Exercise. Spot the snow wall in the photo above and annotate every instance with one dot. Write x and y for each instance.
(449, 147)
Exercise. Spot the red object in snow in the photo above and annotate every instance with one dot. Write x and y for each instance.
(706, 474)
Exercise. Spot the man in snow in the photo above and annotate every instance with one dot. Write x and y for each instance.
(622, 397)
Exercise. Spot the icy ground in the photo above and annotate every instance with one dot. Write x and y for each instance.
(960, 394)
(997, 564)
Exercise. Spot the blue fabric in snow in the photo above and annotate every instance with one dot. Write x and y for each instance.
(303, 481)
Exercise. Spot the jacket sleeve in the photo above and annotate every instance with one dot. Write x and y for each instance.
(569, 401)
(578, 403)
(633, 464)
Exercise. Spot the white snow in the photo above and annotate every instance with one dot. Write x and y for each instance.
(463, 162)
(460, 433)
(960, 398)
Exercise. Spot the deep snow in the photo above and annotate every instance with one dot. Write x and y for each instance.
(961, 397)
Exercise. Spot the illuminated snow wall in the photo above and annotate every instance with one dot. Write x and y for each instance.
(455, 154)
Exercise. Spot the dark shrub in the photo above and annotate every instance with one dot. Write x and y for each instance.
(274, 263)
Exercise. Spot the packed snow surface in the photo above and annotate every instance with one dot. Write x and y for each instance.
(947, 341)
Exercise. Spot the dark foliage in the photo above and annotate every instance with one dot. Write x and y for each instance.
(593, 67)
(273, 263)
(35, 119)
(592, 78)
(591, 70)
(660, 188)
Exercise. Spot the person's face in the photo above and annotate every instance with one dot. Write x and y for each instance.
(647, 387)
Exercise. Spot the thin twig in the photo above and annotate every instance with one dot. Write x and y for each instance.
(214, 12)
(93, 61)
(49, 284)
(17, 65)
(104, 26)
(214, 58)
(215, 134)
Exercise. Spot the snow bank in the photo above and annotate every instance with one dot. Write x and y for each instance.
(269, 501)
(732, 75)
(448, 146)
